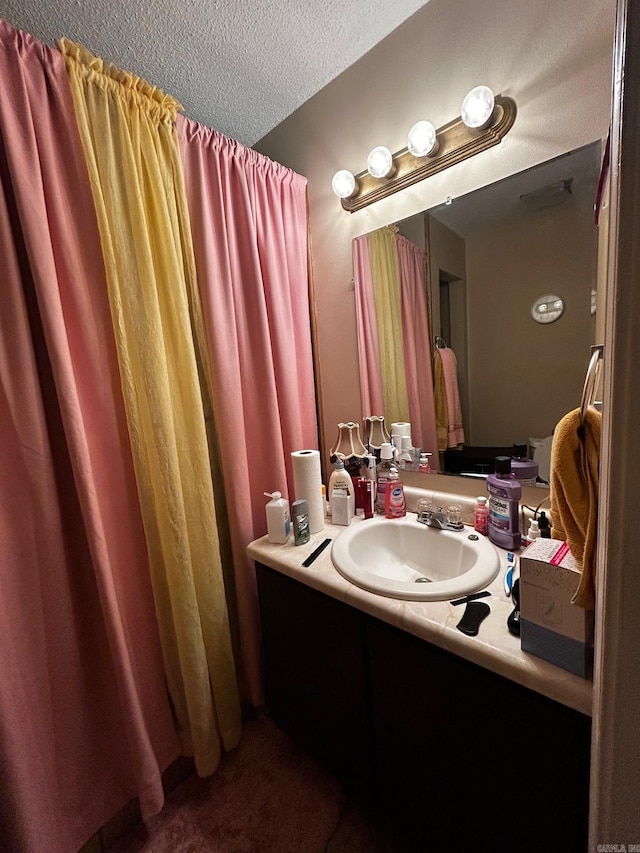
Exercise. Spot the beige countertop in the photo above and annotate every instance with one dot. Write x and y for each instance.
(435, 621)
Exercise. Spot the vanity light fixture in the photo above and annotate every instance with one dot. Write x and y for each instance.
(484, 121)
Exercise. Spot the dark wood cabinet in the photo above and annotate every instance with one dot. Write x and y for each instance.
(453, 754)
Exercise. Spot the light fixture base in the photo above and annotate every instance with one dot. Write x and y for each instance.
(456, 142)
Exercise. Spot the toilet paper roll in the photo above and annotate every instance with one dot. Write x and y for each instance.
(307, 484)
(401, 428)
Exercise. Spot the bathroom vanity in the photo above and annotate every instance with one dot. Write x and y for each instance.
(462, 743)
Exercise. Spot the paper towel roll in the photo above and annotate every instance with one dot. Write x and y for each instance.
(307, 484)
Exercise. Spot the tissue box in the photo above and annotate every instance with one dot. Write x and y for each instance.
(550, 626)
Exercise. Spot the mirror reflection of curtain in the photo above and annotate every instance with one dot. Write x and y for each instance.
(367, 327)
(416, 337)
(393, 329)
(385, 276)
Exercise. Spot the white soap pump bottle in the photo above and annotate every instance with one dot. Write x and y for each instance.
(278, 520)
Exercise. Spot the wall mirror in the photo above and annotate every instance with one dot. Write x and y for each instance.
(490, 255)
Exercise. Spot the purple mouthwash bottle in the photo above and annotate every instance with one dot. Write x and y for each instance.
(504, 496)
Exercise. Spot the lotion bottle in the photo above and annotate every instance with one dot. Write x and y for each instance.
(395, 505)
(278, 521)
(340, 480)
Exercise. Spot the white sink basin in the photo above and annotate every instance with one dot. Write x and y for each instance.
(401, 558)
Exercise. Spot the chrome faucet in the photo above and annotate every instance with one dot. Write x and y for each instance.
(440, 520)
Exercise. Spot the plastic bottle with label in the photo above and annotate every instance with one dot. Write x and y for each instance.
(481, 516)
(382, 475)
(395, 505)
(278, 521)
(505, 492)
(340, 480)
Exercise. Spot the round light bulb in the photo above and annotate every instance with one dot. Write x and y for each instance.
(343, 184)
(477, 108)
(421, 140)
(380, 162)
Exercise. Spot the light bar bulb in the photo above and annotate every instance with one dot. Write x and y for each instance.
(380, 162)
(477, 107)
(344, 184)
(421, 140)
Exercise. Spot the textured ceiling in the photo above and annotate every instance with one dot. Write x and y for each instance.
(239, 66)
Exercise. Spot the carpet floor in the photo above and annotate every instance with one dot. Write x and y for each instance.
(267, 796)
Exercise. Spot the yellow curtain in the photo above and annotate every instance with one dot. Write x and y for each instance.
(127, 130)
(385, 274)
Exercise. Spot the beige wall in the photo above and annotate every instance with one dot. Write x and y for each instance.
(553, 58)
(535, 368)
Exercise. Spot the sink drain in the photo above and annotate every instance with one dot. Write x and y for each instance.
(422, 580)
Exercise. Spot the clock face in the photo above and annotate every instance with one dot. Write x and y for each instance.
(547, 308)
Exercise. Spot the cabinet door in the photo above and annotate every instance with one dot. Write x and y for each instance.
(470, 760)
(313, 651)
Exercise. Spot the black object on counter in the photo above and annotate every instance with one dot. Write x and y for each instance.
(312, 556)
(475, 612)
(543, 524)
(513, 620)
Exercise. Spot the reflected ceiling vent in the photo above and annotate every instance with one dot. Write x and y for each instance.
(550, 196)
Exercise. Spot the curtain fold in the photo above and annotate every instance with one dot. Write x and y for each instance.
(128, 135)
(385, 275)
(249, 226)
(85, 724)
(367, 330)
(417, 346)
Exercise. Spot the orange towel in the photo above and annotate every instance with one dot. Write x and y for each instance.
(575, 459)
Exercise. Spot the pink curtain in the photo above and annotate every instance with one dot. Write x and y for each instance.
(417, 347)
(367, 328)
(85, 724)
(249, 227)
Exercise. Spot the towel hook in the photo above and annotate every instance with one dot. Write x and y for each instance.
(591, 380)
(440, 342)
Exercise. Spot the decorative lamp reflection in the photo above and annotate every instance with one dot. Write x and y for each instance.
(375, 432)
(348, 444)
